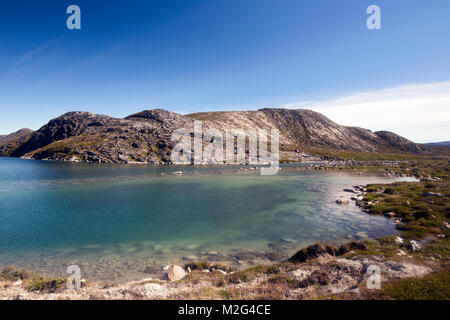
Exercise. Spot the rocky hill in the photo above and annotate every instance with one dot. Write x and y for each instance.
(440, 144)
(145, 136)
(10, 143)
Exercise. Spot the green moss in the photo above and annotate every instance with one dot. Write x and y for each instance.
(422, 206)
(272, 269)
(197, 265)
(439, 249)
(435, 286)
(46, 285)
(13, 274)
(203, 265)
(361, 156)
(229, 294)
(283, 280)
(32, 281)
(238, 277)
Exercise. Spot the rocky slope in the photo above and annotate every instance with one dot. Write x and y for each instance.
(145, 137)
(10, 143)
(440, 144)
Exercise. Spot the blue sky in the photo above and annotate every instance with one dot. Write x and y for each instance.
(199, 55)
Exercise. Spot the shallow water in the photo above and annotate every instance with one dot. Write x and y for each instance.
(123, 222)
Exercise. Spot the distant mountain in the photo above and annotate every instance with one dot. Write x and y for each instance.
(439, 144)
(10, 143)
(145, 136)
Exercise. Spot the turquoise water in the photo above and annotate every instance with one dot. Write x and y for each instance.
(123, 222)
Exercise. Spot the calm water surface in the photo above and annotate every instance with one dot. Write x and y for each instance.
(123, 222)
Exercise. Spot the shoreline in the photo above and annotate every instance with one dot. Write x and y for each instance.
(272, 251)
(389, 252)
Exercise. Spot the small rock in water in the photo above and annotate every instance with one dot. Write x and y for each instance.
(288, 240)
(342, 202)
(212, 253)
(349, 190)
(362, 235)
(413, 245)
(398, 240)
(389, 214)
(175, 273)
(191, 257)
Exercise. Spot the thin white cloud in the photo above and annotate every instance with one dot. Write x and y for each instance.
(419, 112)
(34, 52)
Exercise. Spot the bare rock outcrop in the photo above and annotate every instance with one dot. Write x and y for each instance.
(145, 137)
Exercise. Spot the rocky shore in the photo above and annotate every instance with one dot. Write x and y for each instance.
(412, 265)
(318, 271)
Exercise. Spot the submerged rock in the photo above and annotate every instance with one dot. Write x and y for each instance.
(398, 240)
(190, 258)
(389, 214)
(342, 202)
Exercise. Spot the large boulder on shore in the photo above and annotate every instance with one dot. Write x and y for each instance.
(320, 249)
(352, 245)
(312, 252)
(175, 273)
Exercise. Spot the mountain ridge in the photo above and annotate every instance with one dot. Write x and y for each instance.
(439, 144)
(144, 137)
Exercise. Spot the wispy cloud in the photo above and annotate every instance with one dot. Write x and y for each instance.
(420, 112)
(34, 52)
